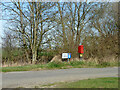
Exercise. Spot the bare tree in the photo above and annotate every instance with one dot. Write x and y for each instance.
(105, 42)
(32, 24)
(73, 20)
(8, 46)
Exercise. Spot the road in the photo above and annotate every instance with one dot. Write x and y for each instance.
(34, 78)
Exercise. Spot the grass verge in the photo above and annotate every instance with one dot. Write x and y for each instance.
(59, 65)
(109, 82)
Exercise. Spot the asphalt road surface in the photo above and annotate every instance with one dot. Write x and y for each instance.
(34, 78)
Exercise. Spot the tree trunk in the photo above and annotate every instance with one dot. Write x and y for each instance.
(34, 55)
(63, 28)
(27, 56)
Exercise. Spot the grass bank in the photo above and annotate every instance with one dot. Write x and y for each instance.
(60, 65)
(109, 82)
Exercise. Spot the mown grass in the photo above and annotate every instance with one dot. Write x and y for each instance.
(109, 82)
(59, 65)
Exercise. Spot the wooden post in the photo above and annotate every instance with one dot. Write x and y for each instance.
(81, 56)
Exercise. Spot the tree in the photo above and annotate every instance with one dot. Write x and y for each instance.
(32, 24)
(62, 25)
(8, 46)
(73, 19)
(105, 41)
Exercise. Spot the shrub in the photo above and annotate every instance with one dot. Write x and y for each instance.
(91, 63)
(105, 64)
(45, 54)
(55, 65)
(74, 63)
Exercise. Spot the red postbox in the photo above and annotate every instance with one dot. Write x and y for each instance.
(80, 49)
